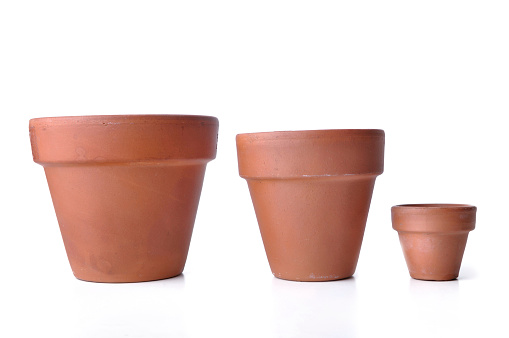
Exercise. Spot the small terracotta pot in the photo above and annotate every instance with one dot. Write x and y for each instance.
(433, 237)
(311, 191)
(125, 189)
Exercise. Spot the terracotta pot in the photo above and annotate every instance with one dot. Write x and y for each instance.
(433, 237)
(311, 192)
(125, 189)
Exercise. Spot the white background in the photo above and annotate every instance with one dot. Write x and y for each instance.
(433, 74)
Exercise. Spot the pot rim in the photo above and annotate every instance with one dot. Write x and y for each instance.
(310, 134)
(125, 119)
(311, 153)
(107, 139)
(434, 206)
(433, 218)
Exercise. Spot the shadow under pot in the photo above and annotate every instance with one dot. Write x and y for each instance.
(125, 189)
(311, 192)
(433, 237)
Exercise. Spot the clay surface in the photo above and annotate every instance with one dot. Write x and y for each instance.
(433, 237)
(311, 192)
(125, 189)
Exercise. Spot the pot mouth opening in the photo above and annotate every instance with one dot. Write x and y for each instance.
(125, 119)
(173, 162)
(298, 134)
(435, 206)
(435, 232)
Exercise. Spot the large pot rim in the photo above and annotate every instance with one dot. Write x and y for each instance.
(123, 118)
(120, 139)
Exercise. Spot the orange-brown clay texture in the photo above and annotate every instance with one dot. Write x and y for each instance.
(125, 189)
(311, 192)
(433, 237)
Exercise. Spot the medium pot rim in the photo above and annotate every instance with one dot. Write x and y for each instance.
(322, 153)
(309, 134)
(124, 118)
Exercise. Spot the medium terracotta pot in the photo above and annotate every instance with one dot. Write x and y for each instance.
(311, 192)
(433, 237)
(125, 189)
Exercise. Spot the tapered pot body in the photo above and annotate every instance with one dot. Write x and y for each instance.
(125, 189)
(311, 192)
(433, 237)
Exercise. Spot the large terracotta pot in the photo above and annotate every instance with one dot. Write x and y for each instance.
(311, 192)
(125, 189)
(433, 237)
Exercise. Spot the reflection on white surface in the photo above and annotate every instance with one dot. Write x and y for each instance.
(149, 309)
(201, 305)
(431, 306)
(421, 288)
(467, 273)
(314, 309)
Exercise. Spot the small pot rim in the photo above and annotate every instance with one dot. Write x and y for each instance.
(433, 217)
(434, 206)
(124, 118)
(310, 134)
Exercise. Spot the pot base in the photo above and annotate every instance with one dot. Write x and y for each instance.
(435, 278)
(433, 256)
(312, 278)
(312, 228)
(126, 223)
(125, 280)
